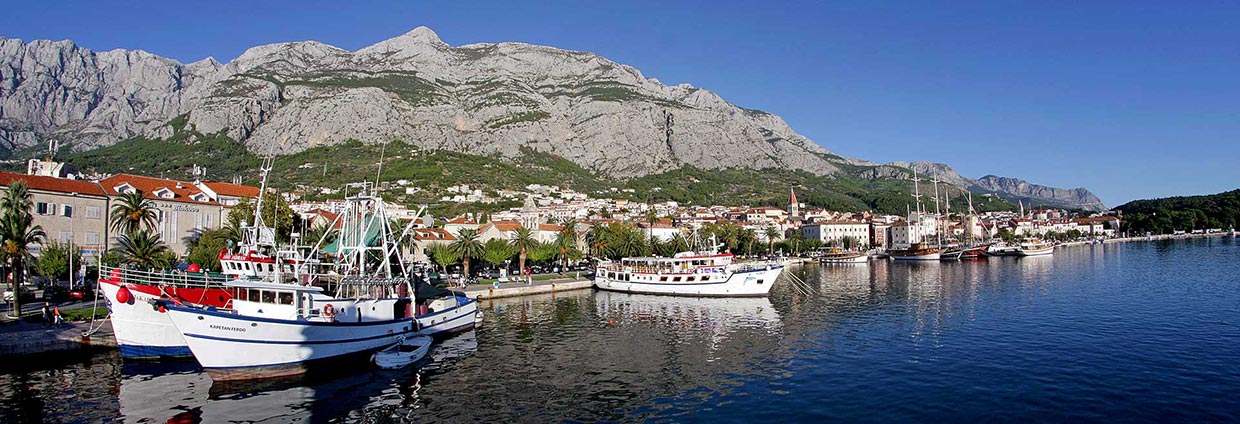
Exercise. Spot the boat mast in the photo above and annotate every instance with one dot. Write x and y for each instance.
(917, 201)
(938, 215)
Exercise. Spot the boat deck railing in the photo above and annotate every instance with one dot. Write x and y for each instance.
(162, 277)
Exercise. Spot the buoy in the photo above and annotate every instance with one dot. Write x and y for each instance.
(123, 295)
(194, 268)
(328, 310)
(611, 322)
(162, 309)
(115, 276)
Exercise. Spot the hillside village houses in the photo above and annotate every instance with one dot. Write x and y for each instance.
(76, 210)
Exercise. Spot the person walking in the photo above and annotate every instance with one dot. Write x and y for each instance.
(56, 315)
(46, 311)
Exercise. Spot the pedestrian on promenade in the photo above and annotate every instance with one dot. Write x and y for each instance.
(46, 311)
(56, 315)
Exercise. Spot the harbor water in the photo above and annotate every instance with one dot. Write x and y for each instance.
(1146, 331)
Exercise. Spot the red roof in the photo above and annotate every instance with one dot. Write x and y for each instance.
(181, 191)
(59, 185)
(229, 189)
(432, 234)
(506, 225)
(460, 220)
(550, 227)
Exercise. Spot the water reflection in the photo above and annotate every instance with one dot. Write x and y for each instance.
(1009, 339)
(157, 392)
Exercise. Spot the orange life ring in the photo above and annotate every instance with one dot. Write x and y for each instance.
(328, 310)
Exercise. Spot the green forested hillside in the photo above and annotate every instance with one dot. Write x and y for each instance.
(1186, 213)
(432, 171)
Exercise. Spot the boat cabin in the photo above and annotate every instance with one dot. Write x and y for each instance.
(272, 300)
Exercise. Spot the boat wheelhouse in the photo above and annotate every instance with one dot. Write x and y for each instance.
(688, 274)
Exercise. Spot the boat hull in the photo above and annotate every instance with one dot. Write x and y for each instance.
(915, 258)
(846, 260)
(450, 320)
(1036, 252)
(236, 347)
(141, 331)
(749, 283)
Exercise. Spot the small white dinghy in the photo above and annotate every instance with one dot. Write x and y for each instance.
(404, 352)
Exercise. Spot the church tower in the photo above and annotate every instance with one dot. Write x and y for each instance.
(793, 205)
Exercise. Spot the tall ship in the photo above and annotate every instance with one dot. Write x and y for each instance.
(276, 329)
(704, 274)
(918, 249)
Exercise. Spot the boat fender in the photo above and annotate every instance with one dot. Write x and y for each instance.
(123, 295)
(328, 310)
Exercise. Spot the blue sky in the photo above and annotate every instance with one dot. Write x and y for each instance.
(1129, 99)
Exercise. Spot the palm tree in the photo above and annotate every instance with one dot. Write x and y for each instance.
(771, 233)
(18, 235)
(468, 246)
(16, 198)
(523, 240)
(596, 239)
(142, 248)
(566, 244)
(132, 212)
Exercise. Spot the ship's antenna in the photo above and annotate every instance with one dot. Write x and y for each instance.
(382, 150)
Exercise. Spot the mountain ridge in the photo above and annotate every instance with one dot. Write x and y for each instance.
(484, 98)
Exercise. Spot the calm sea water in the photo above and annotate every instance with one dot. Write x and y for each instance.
(1135, 332)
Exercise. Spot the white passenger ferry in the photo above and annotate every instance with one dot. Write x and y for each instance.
(688, 274)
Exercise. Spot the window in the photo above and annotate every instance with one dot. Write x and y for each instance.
(43, 208)
(253, 295)
(94, 212)
(92, 238)
(66, 211)
(66, 235)
(286, 298)
(269, 296)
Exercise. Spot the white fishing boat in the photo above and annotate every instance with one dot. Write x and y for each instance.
(275, 329)
(141, 330)
(278, 330)
(1035, 248)
(1002, 249)
(704, 274)
(403, 353)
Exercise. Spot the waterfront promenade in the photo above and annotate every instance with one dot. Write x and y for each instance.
(512, 289)
(25, 338)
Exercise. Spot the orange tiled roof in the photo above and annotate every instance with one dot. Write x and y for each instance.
(550, 227)
(59, 185)
(432, 234)
(181, 191)
(506, 225)
(460, 220)
(229, 189)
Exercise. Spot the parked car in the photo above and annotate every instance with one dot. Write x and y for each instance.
(27, 295)
(54, 293)
(81, 293)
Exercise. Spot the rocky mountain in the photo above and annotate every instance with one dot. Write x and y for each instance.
(492, 99)
(1012, 189)
(480, 98)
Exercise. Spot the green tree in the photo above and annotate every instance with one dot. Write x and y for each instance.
(497, 251)
(143, 249)
(771, 234)
(206, 251)
(524, 242)
(542, 252)
(467, 246)
(566, 244)
(54, 260)
(133, 212)
(18, 233)
(442, 255)
(276, 214)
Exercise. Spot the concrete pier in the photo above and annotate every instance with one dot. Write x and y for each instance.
(489, 291)
(24, 338)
